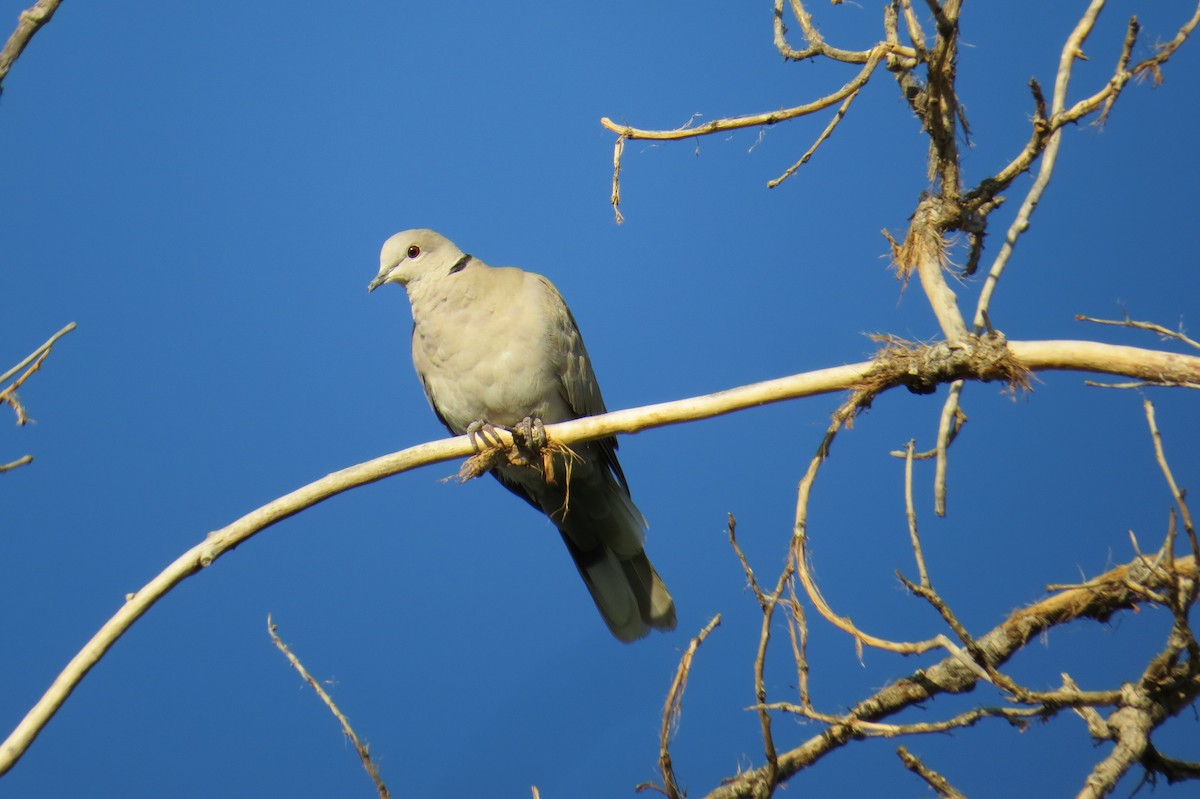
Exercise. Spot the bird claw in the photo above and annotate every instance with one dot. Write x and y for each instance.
(482, 430)
(531, 433)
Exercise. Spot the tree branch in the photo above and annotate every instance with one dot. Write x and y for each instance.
(920, 369)
(364, 754)
(29, 22)
(1097, 599)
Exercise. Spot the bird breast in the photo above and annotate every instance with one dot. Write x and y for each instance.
(485, 354)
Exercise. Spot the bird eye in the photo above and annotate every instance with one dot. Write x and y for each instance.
(414, 251)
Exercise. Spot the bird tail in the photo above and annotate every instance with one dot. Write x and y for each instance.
(603, 531)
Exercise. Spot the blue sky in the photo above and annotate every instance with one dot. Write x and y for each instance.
(204, 189)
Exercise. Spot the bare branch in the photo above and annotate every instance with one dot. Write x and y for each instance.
(910, 512)
(1177, 494)
(915, 34)
(1166, 687)
(1178, 335)
(817, 45)
(935, 781)
(1017, 716)
(615, 199)
(363, 754)
(919, 369)
(754, 120)
(923, 251)
(8, 394)
(1106, 96)
(674, 706)
(1156, 762)
(39, 352)
(1071, 51)
(825, 134)
(751, 580)
(30, 22)
(949, 423)
(21, 461)
(1099, 599)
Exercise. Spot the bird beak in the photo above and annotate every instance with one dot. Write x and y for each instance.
(377, 282)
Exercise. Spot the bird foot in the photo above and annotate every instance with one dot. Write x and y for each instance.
(482, 430)
(530, 433)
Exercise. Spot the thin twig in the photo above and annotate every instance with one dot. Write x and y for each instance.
(760, 669)
(21, 461)
(751, 580)
(797, 623)
(949, 423)
(817, 45)
(1176, 494)
(799, 553)
(935, 781)
(674, 705)
(1099, 599)
(914, 28)
(1140, 384)
(910, 512)
(1016, 716)
(754, 120)
(1178, 335)
(1091, 717)
(363, 754)
(618, 150)
(825, 134)
(31, 357)
(8, 396)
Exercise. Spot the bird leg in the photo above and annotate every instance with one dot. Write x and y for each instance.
(482, 430)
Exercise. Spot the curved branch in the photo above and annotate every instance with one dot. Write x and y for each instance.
(874, 376)
(754, 120)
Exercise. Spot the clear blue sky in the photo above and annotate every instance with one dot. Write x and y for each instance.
(204, 188)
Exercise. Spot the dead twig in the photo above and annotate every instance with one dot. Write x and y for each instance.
(935, 781)
(844, 95)
(1097, 599)
(361, 748)
(38, 353)
(1164, 332)
(825, 134)
(30, 21)
(1176, 493)
(25, 369)
(674, 706)
(21, 461)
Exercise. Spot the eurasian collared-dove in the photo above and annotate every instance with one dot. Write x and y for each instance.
(499, 346)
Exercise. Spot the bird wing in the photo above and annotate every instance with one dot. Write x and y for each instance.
(577, 380)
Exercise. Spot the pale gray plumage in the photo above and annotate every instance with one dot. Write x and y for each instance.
(500, 345)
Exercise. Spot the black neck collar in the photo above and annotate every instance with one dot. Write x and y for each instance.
(460, 264)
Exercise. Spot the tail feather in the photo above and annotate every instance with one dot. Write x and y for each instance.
(603, 531)
(628, 592)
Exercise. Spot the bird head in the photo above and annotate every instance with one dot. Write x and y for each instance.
(412, 254)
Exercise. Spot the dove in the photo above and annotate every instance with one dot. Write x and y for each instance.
(497, 346)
